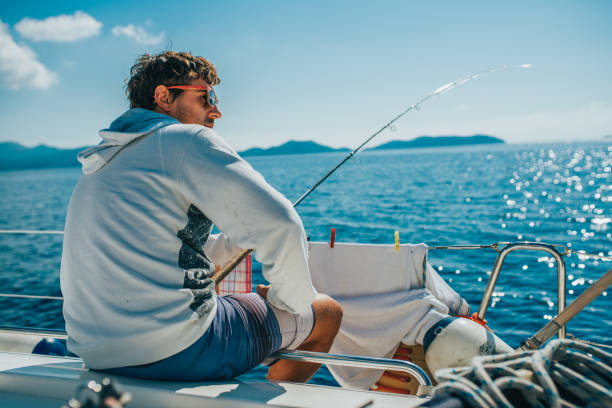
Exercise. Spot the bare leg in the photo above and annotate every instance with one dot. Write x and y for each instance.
(328, 315)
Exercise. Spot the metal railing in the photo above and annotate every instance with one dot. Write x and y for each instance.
(499, 261)
(501, 256)
(301, 356)
(356, 361)
(529, 246)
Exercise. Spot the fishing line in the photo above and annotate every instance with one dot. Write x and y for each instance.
(443, 89)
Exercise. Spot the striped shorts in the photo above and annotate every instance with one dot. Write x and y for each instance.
(245, 331)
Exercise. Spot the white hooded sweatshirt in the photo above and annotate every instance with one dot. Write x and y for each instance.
(138, 254)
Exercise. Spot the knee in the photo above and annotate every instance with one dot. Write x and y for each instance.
(328, 313)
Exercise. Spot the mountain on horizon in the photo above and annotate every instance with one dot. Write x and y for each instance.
(16, 156)
(438, 141)
(291, 147)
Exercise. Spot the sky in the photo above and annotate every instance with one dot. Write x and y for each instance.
(329, 71)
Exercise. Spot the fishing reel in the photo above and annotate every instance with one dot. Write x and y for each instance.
(99, 395)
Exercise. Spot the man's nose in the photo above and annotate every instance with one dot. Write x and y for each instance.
(214, 113)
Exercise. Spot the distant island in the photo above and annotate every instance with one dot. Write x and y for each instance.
(295, 147)
(438, 141)
(291, 147)
(14, 156)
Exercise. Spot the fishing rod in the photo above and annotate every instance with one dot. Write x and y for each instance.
(228, 267)
(439, 91)
(549, 330)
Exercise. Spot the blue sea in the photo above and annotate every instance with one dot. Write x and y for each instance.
(557, 193)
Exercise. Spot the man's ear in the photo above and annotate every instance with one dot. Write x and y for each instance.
(162, 97)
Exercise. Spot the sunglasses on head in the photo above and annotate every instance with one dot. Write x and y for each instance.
(212, 99)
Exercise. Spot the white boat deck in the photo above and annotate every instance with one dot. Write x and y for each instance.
(29, 380)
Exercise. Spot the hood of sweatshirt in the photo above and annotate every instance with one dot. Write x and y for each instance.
(133, 124)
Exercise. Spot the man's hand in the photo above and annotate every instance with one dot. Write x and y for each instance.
(262, 290)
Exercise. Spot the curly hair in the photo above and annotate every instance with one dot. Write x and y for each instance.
(166, 68)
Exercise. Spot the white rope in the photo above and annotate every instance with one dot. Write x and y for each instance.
(582, 255)
(26, 296)
(18, 231)
(565, 373)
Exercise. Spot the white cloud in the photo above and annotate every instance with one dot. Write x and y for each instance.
(138, 34)
(19, 66)
(62, 28)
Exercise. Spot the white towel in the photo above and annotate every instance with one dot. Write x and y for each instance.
(387, 296)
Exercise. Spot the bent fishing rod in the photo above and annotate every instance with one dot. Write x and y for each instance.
(232, 263)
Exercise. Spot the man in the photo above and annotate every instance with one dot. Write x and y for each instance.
(138, 255)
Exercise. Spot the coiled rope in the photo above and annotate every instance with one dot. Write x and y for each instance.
(565, 373)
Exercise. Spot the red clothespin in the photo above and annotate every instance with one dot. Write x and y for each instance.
(332, 239)
(474, 317)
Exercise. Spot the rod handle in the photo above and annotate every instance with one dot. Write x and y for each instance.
(230, 265)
